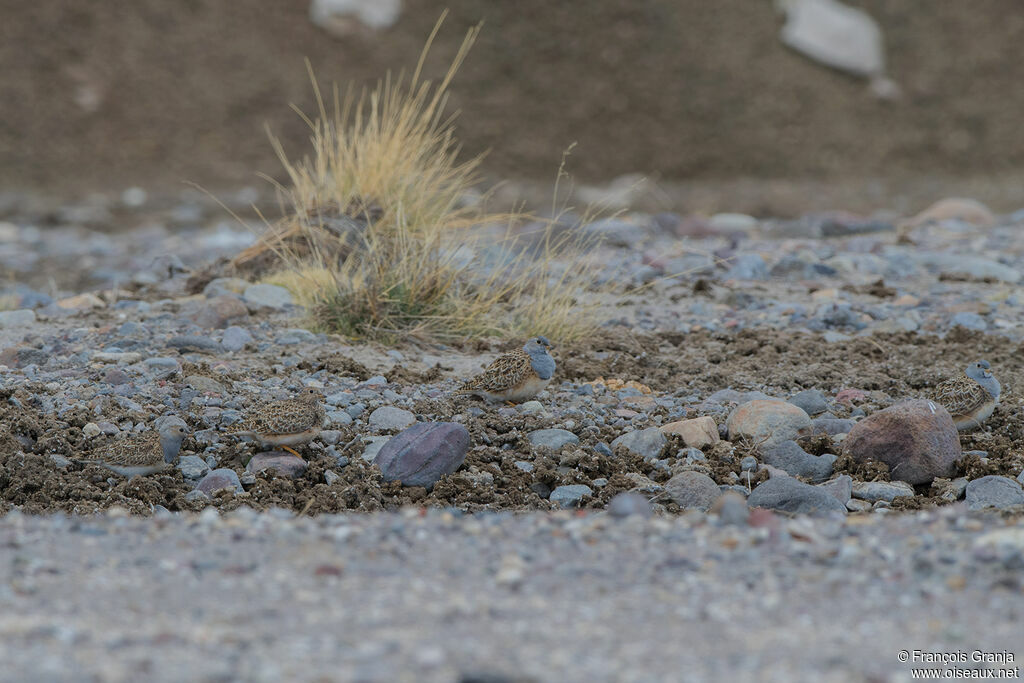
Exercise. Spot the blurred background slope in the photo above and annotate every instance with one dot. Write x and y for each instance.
(102, 96)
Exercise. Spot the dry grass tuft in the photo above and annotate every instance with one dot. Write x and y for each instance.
(378, 241)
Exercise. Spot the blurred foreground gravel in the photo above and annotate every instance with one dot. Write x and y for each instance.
(435, 596)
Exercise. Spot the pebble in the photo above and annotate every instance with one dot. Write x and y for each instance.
(235, 338)
(192, 466)
(218, 480)
(19, 318)
(524, 465)
(219, 312)
(552, 439)
(423, 453)
(373, 446)
(811, 401)
(264, 296)
(692, 490)
(570, 496)
(841, 487)
(791, 495)
(700, 432)
(390, 419)
(331, 477)
(767, 423)
(993, 491)
(193, 342)
(888, 491)
(91, 430)
(789, 457)
(282, 463)
(647, 443)
(627, 504)
(225, 286)
(731, 508)
(532, 408)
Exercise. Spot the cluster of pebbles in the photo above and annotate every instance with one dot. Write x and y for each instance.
(742, 358)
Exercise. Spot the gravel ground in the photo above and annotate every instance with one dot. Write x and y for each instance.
(434, 596)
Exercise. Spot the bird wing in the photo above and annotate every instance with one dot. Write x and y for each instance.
(961, 395)
(281, 417)
(507, 371)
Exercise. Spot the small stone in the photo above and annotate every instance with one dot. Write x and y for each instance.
(731, 508)
(700, 432)
(570, 496)
(968, 320)
(766, 423)
(119, 357)
(791, 495)
(524, 465)
(915, 438)
(552, 439)
(390, 419)
(647, 443)
(20, 318)
(196, 495)
(627, 504)
(531, 408)
(81, 302)
(331, 477)
(204, 384)
(219, 312)
(857, 505)
(280, 462)
(338, 418)
(225, 286)
(235, 338)
(841, 487)
(218, 480)
(423, 453)
(811, 401)
(248, 478)
(265, 296)
(953, 490)
(795, 461)
(91, 430)
(747, 267)
(330, 436)
(831, 426)
(193, 342)
(748, 464)
(373, 446)
(161, 367)
(192, 466)
(732, 222)
(888, 491)
(693, 490)
(993, 491)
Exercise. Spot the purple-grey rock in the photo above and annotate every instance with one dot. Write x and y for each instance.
(796, 461)
(284, 464)
(693, 490)
(218, 480)
(787, 494)
(629, 503)
(916, 439)
(423, 453)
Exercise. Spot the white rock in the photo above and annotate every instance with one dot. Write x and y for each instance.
(835, 35)
(339, 17)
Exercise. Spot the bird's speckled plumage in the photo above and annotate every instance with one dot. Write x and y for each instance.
(140, 454)
(290, 422)
(515, 376)
(970, 397)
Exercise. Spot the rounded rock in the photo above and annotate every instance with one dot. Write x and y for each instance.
(423, 453)
(647, 443)
(390, 419)
(791, 495)
(553, 439)
(693, 490)
(767, 423)
(993, 491)
(284, 464)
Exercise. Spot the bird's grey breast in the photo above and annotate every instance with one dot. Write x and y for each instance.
(543, 364)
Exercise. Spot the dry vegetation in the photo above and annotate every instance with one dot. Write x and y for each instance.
(379, 240)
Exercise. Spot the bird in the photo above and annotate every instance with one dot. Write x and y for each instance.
(142, 454)
(291, 422)
(515, 376)
(970, 397)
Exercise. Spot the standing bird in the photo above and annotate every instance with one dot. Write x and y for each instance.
(971, 397)
(142, 454)
(292, 422)
(515, 376)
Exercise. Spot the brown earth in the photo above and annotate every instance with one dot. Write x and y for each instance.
(886, 367)
(100, 96)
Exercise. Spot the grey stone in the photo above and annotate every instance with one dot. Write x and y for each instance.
(888, 491)
(390, 419)
(295, 335)
(627, 504)
(731, 508)
(788, 456)
(205, 384)
(767, 423)
(193, 342)
(971, 321)
(235, 338)
(524, 465)
(160, 367)
(811, 401)
(423, 453)
(748, 464)
(738, 397)
(552, 438)
(831, 425)
(192, 466)
(647, 443)
(225, 286)
(856, 505)
(532, 408)
(692, 490)
(747, 267)
(338, 418)
(196, 495)
(841, 487)
(330, 477)
(330, 436)
(954, 490)
(20, 318)
(284, 464)
(373, 446)
(218, 480)
(570, 496)
(790, 495)
(993, 491)
(261, 296)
